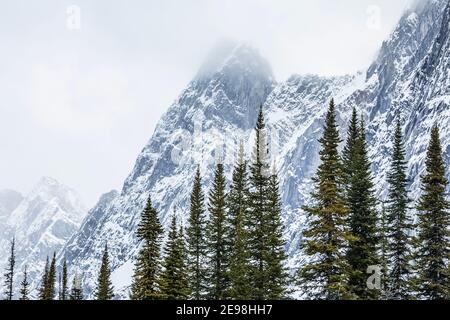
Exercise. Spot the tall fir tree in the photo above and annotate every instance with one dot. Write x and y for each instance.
(145, 279)
(105, 289)
(362, 214)
(277, 277)
(44, 282)
(327, 234)
(383, 249)
(196, 240)
(433, 234)
(9, 275)
(217, 240)
(238, 201)
(399, 224)
(51, 279)
(76, 292)
(64, 288)
(173, 280)
(25, 286)
(258, 208)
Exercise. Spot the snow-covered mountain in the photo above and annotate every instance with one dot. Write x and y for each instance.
(9, 200)
(218, 108)
(41, 223)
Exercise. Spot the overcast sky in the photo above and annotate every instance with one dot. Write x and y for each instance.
(79, 101)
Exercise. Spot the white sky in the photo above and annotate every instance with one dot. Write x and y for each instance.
(79, 105)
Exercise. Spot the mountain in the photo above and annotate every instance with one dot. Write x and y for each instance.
(41, 224)
(9, 200)
(408, 79)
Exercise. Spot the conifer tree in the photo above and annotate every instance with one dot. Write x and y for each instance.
(361, 203)
(196, 240)
(327, 235)
(51, 279)
(25, 286)
(44, 282)
(9, 275)
(183, 280)
(218, 244)
(64, 289)
(398, 222)
(173, 279)
(258, 211)
(76, 292)
(238, 202)
(433, 234)
(277, 277)
(145, 284)
(105, 290)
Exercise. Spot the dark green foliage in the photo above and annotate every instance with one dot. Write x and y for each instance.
(433, 235)
(262, 234)
(196, 241)
(276, 274)
(25, 286)
(240, 287)
(361, 204)
(398, 225)
(327, 235)
(64, 289)
(174, 277)
(105, 290)
(217, 240)
(9, 275)
(145, 284)
(44, 282)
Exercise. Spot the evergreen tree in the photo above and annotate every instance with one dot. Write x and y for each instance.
(145, 285)
(9, 275)
(44, 282)
(398, 223)
(238, 198)
(105, 290)
(76, 292)
(218, 244)
(433, 233)
(196, 242)
(51, 279)
(174, 282)
(64, 290)
(361, 203)
(183, 280)
(25, 286)
(257, 236)
(277, 277)
(327, 235)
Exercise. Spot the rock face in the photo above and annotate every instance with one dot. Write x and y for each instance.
(41, 223)
(409, 79)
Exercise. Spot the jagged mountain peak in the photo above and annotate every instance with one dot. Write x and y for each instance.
(232, 58)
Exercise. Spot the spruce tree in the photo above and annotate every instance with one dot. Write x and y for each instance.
(327, 234)
(51, 279)
(9, 275)
(433, 234)
(145, 284)
(76, 292)
(218, 244)
(238, 202)
(196, 241)
(105, 290)
(383, 249)
(173, 280)
(64, 289)
(25, 286)
(183, 272)
(277, 277)
(361, 203)
(399, 224)
(44, 282)
(257, 236)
